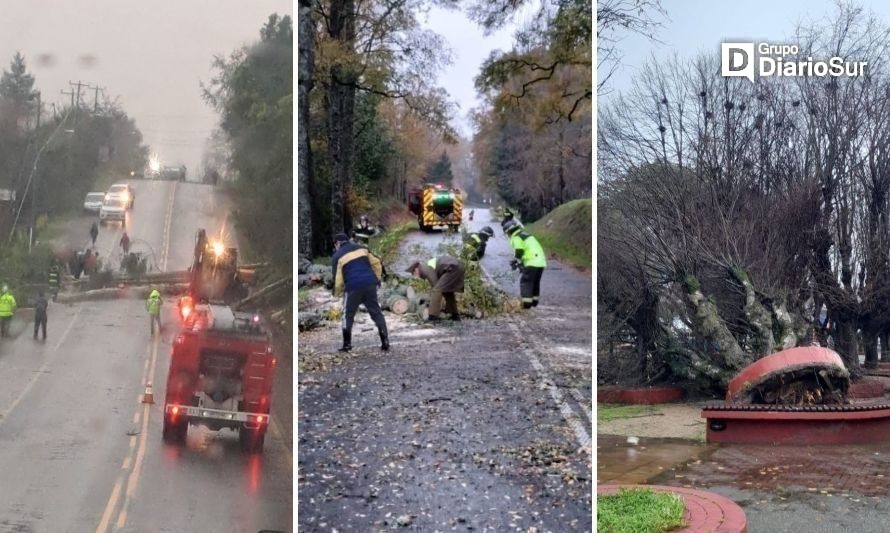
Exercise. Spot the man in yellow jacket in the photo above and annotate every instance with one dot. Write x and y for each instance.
(7, 309)
(153, 306)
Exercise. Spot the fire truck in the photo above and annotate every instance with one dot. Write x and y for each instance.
(436, 205)
(220, 376)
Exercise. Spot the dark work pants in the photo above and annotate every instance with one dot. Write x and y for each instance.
(530, 286)
(40, 323)
(436, 297)
(4, 326)
(368, 296)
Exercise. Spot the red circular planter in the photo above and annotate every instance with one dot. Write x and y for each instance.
(786, 360)
(640, 396)
(866, 388)
(705, 511)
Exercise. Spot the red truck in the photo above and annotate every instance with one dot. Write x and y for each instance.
(220, 376)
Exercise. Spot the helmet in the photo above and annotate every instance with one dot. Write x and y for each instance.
(510, 226)
(486, 230)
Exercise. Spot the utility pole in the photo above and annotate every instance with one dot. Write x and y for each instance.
(96, 97)
(39, 110)
(76, 108)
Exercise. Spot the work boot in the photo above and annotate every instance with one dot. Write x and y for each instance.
(433, 318)
(455, 317)
(347, 341)
(384, 342)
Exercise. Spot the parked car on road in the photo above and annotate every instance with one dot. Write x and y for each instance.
(93, 202)
(121, 191)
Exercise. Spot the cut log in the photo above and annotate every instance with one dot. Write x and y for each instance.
(397, 304)
(303, 263)
(308, 321)
(401, 290)
(318, 269)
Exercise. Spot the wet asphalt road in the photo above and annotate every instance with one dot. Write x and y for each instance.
(78, 449)
(456, 428)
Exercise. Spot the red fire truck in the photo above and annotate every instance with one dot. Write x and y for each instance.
(220, 376)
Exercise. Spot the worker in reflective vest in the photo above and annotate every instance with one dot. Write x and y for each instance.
(446, 275)
(530, 258)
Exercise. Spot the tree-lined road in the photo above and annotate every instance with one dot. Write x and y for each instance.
(78, 449)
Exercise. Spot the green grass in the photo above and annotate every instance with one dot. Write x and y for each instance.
(386, 245)
(565, 232)
(607, 413)
(638, 510)
(302, 296)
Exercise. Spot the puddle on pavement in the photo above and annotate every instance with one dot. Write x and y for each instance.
(621, 459)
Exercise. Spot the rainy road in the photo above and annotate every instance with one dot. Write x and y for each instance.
(483, 425)
(78, 449)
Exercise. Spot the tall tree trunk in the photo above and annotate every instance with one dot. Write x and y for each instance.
(711, 326)
(305, 176)
(846, 344)
(885, 350)
(870, 340)
(757, 315)
(341, 112)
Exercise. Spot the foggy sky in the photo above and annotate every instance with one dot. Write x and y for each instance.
(469, 48)
(150, 54)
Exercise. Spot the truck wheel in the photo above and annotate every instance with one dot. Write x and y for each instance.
(251, 440)
(175, 433)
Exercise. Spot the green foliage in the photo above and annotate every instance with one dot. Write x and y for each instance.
(374, 145)
(21, 270)
(387, 244)
(253, 90)
(439, 171)
(690, 282)
(607, 413)
(638, 510)
(17, 94)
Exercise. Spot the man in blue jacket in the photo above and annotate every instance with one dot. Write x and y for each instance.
(359, 273)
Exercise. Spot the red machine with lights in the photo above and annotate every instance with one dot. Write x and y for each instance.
(220, 376)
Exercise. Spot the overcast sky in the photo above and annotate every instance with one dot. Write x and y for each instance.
(469, 49)
(151, 54)
(701, 25)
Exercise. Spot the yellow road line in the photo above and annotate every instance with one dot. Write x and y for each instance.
(41, 370)
(109, 508)
(135, 473)
(111, 505)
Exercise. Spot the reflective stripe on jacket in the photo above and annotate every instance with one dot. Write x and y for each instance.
(528, 250)
(355, 267)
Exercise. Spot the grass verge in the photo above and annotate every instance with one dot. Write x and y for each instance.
(565, 232)
(638, 510)
(386, 245)
(607, 413)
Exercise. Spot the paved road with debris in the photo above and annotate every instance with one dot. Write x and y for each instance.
(481, 425)
(78, 449)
